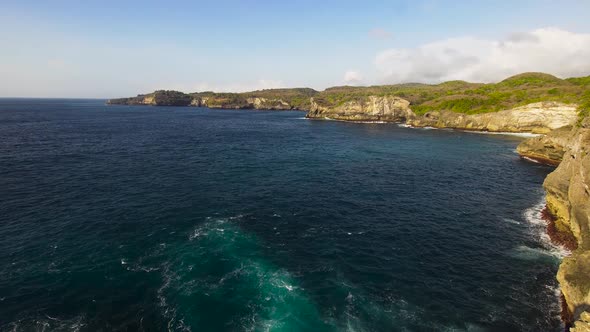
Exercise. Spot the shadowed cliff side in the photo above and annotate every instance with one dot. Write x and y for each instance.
(568, 200)
(546, 149)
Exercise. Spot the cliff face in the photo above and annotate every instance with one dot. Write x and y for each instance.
(157, 99)
(269, 104)
(568, 200)
(536, 118)
(268, 99)
(546, 149)
(373, 108)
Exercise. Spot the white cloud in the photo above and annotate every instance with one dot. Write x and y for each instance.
(352, 77)
(551, 50)
(380, 33)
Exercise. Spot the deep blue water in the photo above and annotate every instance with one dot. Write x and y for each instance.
(143, 218)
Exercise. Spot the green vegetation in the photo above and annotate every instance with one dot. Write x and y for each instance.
(456, 96)
(297, 98)
(160, 97)
(470, 98)
(171, 98)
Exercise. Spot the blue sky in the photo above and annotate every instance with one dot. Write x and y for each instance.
(118, 48)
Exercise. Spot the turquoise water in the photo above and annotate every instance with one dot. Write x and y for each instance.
(186, 219)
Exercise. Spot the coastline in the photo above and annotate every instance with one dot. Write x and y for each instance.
(553, 131)
(565, 213)
(569, 244)
(524, 134)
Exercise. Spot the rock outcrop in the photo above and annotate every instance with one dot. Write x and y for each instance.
(173, 98)
(538, 118)
(268, 104)
(373, 108)
(541, 118)
(568, 200)
(156, 98)
(546, 149)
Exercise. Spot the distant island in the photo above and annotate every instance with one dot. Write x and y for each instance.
(530, 102)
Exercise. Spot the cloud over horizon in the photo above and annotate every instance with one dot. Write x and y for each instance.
(352, 77)
(551, 50)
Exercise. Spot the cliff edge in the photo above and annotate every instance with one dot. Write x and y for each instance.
(372, 108)
(540, 117)
(568, 200)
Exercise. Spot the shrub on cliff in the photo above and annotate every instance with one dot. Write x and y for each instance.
(171, 98)
(469, 98)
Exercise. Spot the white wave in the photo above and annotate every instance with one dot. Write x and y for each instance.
(531, 160)
(481, 132)
(288, 287)
(511, 221)
(528, 253)
(356, 121)
(196, 234)
(519, 134)
(534, 216)
(47, 323)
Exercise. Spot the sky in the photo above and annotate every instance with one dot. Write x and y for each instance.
(107, 49)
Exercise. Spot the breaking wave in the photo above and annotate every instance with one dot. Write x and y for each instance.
(219, 267)
(534, 216)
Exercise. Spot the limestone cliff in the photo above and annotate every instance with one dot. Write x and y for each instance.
(536, 118)
(541, 117)
(546, 149)
(268, 104)
(568, 200)
(156, 98)
(373, 108)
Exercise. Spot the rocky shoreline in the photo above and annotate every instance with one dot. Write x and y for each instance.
(538, 118)
(568, 213)
(565, 144)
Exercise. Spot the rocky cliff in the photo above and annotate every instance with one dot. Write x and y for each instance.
(270, 99)
(568, 201)
(546, 149)
(373, 108)
(172, 98)
(541, 117)
(536, 118)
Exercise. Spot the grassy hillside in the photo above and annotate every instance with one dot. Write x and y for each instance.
(456, 96)
(472, 98)
(298, 98)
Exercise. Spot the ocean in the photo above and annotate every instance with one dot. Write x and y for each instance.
(133, 218)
